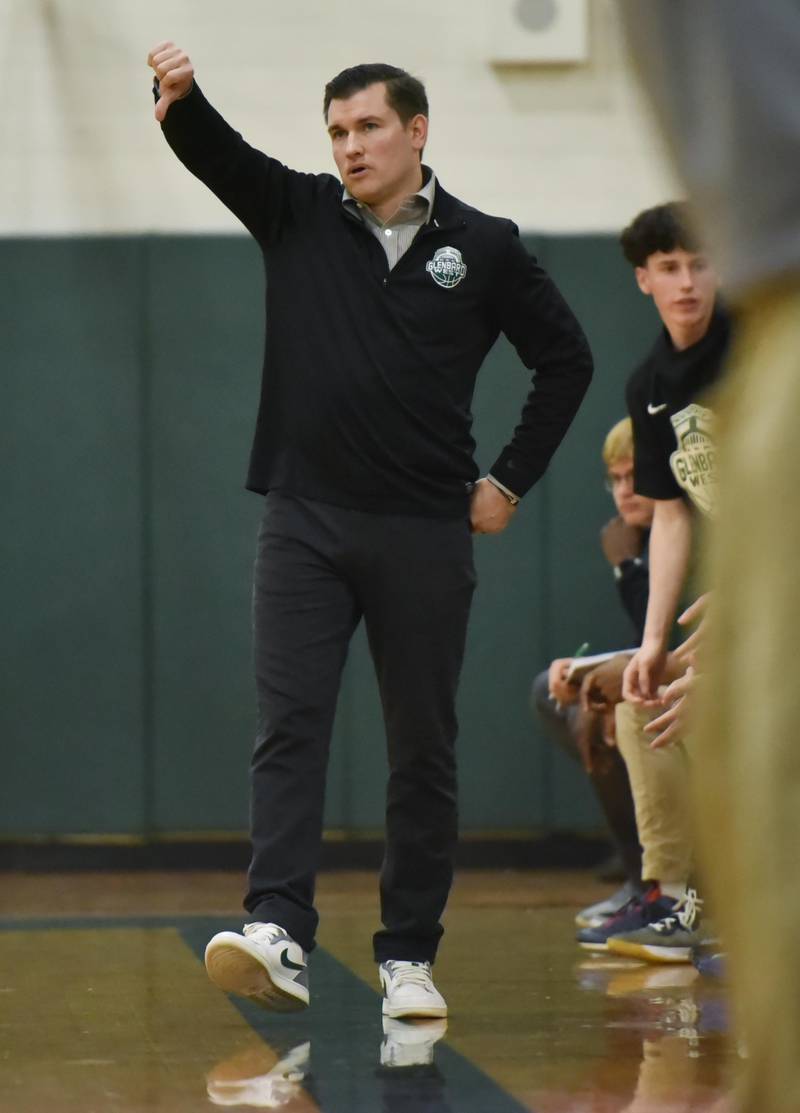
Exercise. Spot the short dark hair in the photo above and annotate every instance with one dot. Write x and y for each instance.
(662, 228)
(404, 93)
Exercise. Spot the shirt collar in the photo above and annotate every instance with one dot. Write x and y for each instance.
(427, 194)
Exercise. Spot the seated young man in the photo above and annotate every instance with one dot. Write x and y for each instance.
(676, 467)
(555, 699)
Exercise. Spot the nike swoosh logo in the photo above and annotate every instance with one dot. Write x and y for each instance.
(287, 962)
(653, 410)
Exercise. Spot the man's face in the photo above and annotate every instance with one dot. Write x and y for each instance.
(683, 285)
(377, 155)
(635, 510)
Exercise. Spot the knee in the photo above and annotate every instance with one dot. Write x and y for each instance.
(630, 720)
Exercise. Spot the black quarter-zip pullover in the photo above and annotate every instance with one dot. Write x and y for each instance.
(369, 373)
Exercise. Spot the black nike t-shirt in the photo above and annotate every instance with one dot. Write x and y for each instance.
(673, 426)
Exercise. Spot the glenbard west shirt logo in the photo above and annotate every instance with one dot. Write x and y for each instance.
(694, 463)
(446, 268)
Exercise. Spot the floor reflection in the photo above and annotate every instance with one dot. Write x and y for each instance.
(257, 1077)
(410, 1043)
(671, 1025)
(260, 1077)
(405, 1078)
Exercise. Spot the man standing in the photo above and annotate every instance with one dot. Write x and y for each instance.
(383, 299)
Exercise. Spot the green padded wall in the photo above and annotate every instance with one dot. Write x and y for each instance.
(131, 370)
(72, 589)
(205, 356)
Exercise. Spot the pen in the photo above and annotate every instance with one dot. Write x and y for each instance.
(581, 651)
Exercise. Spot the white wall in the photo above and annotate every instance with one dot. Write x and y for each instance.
(565, 148)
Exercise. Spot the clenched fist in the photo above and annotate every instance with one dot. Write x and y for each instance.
(175, 73)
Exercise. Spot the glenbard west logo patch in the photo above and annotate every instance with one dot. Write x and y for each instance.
(446, 268)
(694, 463)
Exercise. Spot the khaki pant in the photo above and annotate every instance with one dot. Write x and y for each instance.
(747, 732)
(660, 786)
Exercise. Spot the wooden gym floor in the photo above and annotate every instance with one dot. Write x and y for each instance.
(105, 1007)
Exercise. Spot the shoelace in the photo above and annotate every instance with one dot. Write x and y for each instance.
(685, 913)
(410, 973)
(264, 933)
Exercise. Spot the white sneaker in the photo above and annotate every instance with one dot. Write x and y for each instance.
(410, 1043)
(264, 965)
(408, 990)
(596, 914)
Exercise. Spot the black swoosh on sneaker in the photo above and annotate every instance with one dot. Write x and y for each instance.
(287, 962)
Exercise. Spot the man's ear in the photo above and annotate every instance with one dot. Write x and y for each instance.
(643, 279)
(418, 130)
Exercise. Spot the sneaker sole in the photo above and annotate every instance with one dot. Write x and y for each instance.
(650, 953)
(401, 1012)
(234, 968)
(596, 947)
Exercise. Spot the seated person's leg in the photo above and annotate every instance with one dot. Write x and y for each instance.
(659, 781)
(666, 926)
(609, 780)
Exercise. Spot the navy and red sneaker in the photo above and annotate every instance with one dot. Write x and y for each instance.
(641, 910)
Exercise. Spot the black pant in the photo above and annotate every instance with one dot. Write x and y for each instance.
(319, 569)
(610, 781)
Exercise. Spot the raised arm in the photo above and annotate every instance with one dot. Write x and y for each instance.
(259, 190)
